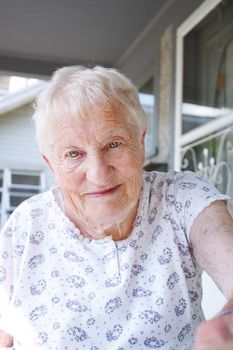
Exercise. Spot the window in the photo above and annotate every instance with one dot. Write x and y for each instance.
(207, 69)
(15, 187)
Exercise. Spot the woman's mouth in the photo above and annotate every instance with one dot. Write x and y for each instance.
(105, 192)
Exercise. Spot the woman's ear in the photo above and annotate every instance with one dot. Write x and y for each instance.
(143, 137)
(47, 161)
(142, 146)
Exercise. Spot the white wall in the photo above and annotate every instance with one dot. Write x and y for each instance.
(213, 300)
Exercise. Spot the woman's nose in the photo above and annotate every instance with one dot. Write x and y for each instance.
(98, 170)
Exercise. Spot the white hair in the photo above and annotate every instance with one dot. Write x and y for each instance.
(74, 91)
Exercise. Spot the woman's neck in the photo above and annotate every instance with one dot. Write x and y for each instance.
(118, 231)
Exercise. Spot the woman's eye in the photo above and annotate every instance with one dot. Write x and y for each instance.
(73, 154)
(114, 144)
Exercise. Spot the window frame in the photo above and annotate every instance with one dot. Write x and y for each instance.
(7, 189)
(181, 139)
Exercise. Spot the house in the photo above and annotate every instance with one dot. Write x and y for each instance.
(179, 52)
(22, 170)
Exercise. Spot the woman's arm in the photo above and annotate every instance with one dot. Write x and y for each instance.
(211, 238)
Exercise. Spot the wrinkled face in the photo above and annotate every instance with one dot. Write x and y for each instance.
(97, 163)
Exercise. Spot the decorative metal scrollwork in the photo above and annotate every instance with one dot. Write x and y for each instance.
(212, 158)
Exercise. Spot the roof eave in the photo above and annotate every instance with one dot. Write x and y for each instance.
(20, 98)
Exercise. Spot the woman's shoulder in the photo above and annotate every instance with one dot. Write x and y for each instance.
(158, 178)
(172, 177)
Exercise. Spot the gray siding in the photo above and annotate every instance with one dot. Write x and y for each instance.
(18, 148)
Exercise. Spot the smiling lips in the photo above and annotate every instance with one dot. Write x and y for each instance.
(104, 192)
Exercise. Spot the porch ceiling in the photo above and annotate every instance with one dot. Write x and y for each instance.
(36, 36)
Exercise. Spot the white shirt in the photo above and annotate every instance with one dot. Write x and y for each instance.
(61, 291)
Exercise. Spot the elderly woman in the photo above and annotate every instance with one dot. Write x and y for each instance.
(111, 257)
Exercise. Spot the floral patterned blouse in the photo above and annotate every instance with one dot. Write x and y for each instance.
(61, 291)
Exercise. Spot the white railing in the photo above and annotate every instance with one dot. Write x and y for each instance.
(212, 157)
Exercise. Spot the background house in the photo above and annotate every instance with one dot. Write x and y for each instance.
(177, 52)
(22, 170)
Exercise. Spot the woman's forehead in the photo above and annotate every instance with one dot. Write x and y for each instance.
(96, 129)
(99, 118)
